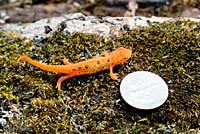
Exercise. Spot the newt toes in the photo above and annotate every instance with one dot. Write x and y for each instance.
(85, 67)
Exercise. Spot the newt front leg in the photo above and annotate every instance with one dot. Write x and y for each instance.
(112, 75)
(105, 54)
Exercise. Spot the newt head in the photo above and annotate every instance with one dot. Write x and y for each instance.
(120, 55)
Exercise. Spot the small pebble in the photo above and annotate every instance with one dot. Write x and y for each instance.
(2, 123)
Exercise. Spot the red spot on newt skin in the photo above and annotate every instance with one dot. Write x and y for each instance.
(86, 67)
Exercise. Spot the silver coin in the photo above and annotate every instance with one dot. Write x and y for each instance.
(144, 90)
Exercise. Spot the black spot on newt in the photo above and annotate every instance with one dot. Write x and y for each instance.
(86, 66)
(79, 68)
(98, 62)
(108, 60)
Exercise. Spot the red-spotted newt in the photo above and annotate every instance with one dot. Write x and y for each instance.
(86, 67)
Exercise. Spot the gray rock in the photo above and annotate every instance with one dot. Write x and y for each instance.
(106, 26)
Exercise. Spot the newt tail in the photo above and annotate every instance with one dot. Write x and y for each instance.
(86, 67)
(50, 68)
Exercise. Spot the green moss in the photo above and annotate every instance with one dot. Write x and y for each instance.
(92, 103)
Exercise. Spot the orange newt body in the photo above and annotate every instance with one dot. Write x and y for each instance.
(86, 67)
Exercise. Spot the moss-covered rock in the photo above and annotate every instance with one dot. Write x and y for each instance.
(92, 103)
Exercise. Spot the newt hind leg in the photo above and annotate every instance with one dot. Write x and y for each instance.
(66, 61)
(61, 79)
